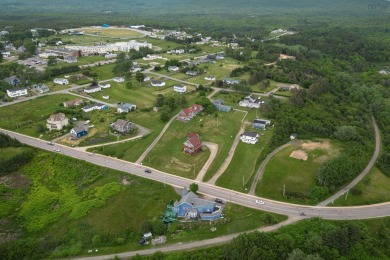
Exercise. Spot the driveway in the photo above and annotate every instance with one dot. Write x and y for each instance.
(213, 152)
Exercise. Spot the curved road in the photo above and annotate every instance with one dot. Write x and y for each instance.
(247, 200)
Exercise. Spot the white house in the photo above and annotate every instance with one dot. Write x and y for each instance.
(16, 92)
(157, 83)
(191, 73)
(173, 68)
(46, 55)
(231, 81)
(126, 107)
(179, 88)
(41, 88)
(89, 108)
(92, 89)
(249, 137)
(147, 78)
(118, 79)
(250, 101)
(110, 55)
(61, 81)
(152, 57)
(211, 78)
(104, 85)
(57, 121)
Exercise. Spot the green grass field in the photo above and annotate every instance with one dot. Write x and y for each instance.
(104, 71)
(112, 32)
(297, 175)
(164, 45)
(168, 154)
(9, 152)
(374, 189)
(245, 162)
(26, 116)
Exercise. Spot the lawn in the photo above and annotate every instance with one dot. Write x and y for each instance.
(164, 45)
(245, 162)
(374, 188)
(132, 150)
(168, 154)
(26, 116)
(112, 32)
(104, 71)
(9, 152)
(230, 98)
(221, 131)
(284, 93)
(296, 175)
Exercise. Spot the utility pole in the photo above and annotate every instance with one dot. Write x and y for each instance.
(284, 190)
(194, 169)
(217, 122)
(346, 195)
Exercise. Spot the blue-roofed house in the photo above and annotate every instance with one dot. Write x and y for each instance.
(78, 132)
(105, 25)
(191, 207)
(13, 81)
(218, 104)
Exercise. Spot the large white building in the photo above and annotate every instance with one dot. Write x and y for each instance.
(61, 81)
(16, 92)
(249, 137)
(118, 46)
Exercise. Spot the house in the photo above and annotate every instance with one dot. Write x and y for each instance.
(135, 68)
(173, 68)
(191, 73)
(73, 102)
(179, 88)
(126, 107)
(230, 81)
(249, 137)
(250, 101)
(78, 132)
(105, 25)
(61, 81)
(123, 126)
(92, 89)
(106, 96)
(152, 57)
(193, 144)
(191, 206)
(287, 87)
(13, 81)
(260, 123)
(16, 92)
(211, 78)
(70, 59)
(41, 88)
(218, 104)
(104, 85)
(147, 78)
(188, 113)
(100, 106)
(118, 79)
(219, 57)
(157, 83)
(211, 56)
(89, 108)
(6, 54)
(57, 121)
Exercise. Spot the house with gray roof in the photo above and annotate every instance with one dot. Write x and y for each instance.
(41, 88)
(260, 123)
(191, 207)
(123, 126)
(78, 132)
(250, 101)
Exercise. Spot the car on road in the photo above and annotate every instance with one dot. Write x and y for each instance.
(56, 150)
(220, 201)
(148, 171)
(260, 202)
(50, 143)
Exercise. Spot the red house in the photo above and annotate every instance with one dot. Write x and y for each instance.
(188, 113)
(193, 144)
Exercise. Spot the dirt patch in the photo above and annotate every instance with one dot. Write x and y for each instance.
(310, 146)
(179, 165)
(299, 154)
(15, 181)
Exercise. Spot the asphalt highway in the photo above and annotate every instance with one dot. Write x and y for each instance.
(292, 210)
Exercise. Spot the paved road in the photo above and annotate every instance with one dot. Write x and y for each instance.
(247, 200)
(145, 153)
(260, 171)
(366, 170)
(213, 152)
(190, 245)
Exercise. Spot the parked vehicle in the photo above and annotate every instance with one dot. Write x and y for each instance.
(56, 150)
(260, 202)
(148, 171)
(50, 143)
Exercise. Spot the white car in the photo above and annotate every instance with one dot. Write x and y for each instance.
(56, 150)
(260, 202)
